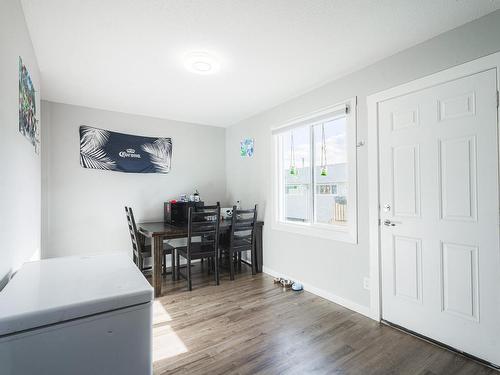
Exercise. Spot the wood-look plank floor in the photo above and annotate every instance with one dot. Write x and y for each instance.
(252, 326)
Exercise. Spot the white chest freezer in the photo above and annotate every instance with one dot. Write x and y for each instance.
(77, 315)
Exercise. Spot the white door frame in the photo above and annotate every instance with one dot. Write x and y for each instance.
(476, 66)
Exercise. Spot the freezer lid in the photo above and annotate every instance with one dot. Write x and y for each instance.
(60, 289)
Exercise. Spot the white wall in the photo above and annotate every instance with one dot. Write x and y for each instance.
(336, 269)
(83, 209)
(19, 166)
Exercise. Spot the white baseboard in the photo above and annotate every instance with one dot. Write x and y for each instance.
(348, 304)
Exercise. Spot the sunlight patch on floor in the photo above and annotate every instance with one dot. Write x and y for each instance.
(166, 343)
(160, 315)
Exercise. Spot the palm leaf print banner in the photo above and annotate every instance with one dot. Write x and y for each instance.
(107, 150)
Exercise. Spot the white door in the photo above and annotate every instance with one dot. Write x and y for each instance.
(439, 200)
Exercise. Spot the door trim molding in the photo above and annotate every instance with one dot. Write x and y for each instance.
(469, 68)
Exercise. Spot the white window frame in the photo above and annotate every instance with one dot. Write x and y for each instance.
(348, 233)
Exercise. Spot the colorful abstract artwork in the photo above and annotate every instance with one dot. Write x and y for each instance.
(28, 122)
(246, 147)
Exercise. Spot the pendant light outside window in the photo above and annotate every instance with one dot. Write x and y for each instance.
(293, 168)
(324, 168)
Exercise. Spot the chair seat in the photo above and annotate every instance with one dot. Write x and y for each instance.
(243, 244)
(198, 250)
(167, 249)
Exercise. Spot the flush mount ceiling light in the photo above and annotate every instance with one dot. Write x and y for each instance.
(201, 63)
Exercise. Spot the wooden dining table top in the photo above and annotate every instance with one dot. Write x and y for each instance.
(161, 228)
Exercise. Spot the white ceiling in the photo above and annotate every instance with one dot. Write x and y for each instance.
(127, 55)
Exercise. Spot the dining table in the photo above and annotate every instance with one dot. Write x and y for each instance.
(159, 231)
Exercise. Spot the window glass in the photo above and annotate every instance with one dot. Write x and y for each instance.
(330, 172)
(296, 174)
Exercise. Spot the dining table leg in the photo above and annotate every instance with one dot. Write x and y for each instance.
(156, 250)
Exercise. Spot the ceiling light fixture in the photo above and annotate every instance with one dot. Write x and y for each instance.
(200, 62)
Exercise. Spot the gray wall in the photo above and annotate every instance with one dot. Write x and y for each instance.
(334, 267)
(83, 209)
(20, 166)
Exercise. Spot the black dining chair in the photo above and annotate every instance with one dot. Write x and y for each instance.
(202, 241)
(141, 250)
(241, 238)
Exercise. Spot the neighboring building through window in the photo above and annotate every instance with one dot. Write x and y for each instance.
(327, 188)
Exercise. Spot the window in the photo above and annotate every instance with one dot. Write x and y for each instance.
(315, 174)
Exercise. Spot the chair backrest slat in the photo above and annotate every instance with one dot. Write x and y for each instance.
(206, 225)
(250, 211)
(243, 222)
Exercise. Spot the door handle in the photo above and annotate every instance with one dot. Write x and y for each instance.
(389, 223)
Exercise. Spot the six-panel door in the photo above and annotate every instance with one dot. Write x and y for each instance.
(439, 198)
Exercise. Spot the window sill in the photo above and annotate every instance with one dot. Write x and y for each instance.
(334, 233)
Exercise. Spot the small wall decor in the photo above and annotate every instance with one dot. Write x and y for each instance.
(112, 151)
(28, 122)
(246, 147)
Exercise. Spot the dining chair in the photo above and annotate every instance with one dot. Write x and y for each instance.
(202, 241)
(241, 238)
(141, 250)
